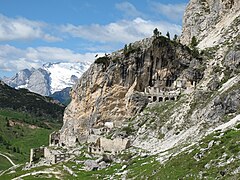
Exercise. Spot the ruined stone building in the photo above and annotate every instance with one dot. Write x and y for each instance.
(55, 156)
(168, 90)
(154, 94)
(54, 139)
(101, 145)
(51, 155)
(36, 154)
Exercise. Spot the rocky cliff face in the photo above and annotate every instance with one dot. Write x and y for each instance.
(211, 21)
(214, 104)
(112, 88)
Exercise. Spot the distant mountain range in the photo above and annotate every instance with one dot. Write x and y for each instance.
(50, 79)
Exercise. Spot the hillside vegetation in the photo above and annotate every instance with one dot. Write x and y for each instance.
(23, 100)
(26, 120)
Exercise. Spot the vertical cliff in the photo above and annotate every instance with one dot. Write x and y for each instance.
(112, 89)
(116, 87)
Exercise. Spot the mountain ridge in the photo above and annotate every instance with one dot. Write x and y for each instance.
(50, 78)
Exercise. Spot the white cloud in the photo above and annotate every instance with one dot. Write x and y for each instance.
(171, 11)
(15, 59)
(129, 10)
(23, 29)
(124, 31)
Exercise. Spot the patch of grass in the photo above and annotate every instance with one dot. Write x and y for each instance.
(4, 163)
(128, 129)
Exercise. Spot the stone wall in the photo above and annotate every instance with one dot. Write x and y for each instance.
(114, 146)
(54, 156)
(100, 145)
(54, 139)
(36, 154)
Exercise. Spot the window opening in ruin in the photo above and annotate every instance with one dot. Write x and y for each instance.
(160, 99)
(154, 98)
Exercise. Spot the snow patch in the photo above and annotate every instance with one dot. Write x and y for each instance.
(61, 74)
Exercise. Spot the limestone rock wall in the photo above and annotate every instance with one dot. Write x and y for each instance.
(205, 16)
(111, 90)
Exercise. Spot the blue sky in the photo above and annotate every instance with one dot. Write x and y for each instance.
(35, 32)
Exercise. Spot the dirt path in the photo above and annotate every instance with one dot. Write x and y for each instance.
(35, 173)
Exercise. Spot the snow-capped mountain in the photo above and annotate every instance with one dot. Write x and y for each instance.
(64, 75)
(50, 78)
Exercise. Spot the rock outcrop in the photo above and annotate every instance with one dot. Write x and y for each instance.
(211, 21)
(112, 88)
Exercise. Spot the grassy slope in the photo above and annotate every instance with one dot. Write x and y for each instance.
(4, 163)
(16, 141)
(25, 108)
(223, 156)
(210, 166)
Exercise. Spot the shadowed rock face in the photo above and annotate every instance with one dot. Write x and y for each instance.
(110, 89)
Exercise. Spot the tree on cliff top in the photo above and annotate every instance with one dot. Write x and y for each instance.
(156, 32)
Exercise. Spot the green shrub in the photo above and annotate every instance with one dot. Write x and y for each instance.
(128, 130)
(238, 126)
(102, 60)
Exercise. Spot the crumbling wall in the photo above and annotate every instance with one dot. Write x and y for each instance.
(36, 154)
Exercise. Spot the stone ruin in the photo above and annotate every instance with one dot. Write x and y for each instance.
(52, 156)
(102, 145)
(166, 90)
(36, 154)
(154, 94)
(55, 156)
(97, 145)
(54, 139)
